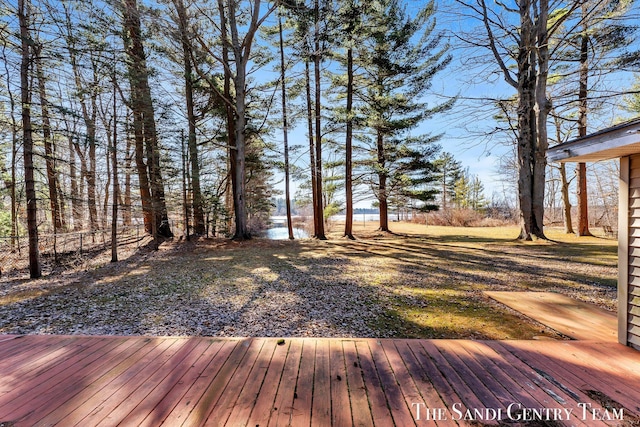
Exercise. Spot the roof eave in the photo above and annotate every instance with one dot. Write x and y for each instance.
(615, 142)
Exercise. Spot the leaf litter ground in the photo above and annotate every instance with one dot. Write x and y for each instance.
(425, 282)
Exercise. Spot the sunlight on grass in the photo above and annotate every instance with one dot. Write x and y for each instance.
(265, 273)
(423, 282)
(448, 313)
(219, 258)
(493, 233)
(21, 297)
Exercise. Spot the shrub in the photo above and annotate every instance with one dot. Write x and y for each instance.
(465, 218)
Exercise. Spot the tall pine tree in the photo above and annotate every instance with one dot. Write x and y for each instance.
(403, 54)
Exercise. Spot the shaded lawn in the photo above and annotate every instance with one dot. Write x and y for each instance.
(426, 283)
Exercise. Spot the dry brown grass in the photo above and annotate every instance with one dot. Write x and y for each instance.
(422, 281)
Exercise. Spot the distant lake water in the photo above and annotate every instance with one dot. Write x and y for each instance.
(282, 233)
(281, 220)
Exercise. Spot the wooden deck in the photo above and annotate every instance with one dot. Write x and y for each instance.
(146, 381)
(573, 318)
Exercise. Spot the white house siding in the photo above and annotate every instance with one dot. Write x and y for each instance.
(629, 292)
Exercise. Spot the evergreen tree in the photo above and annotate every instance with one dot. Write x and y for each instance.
(403, 54)
(35, 268)
(350, 31)
(447, 171)
(461, 191)
(477, 200)
(144, 124)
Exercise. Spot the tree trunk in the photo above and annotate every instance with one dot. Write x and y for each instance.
(14, 153)
(89, 118)
(542, 108)
(198, 213)
(533, 108)
(185, 199)
(126, 208)
(566, 203)
(312, 152)
(105, 199)
(564, 183)
(581, 168)
(348, 181)
(239, 154)
(143, 175)
(76, 207)
(35, 270)
(14, 201)
(581, 193)
(161, 217)
(49, 150)
(231, 159)
(382, 185)
(91, 171)
(144, 127)
(318, 115)
(116, 187)
(285, 133)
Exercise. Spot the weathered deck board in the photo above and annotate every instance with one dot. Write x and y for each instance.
(282, 411)
(377, 401)
(354, 388)
(573, 318)
(341, 406)
(233, 382)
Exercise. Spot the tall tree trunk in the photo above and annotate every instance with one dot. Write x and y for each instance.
(92, 199)
(14, 171)
(231, 121)
(14, 151)
(239, 80)
(318, 128)
(35, 270)
(143, 174)
(231, 137)
(126, 208)
(49, 150)
(285, 133)
(161, 216)
(566, 202)
(89, 118)
(348, 180)
(144, 126)
(198, 213)
(564, 183)
(532, 113)
(116, 186)
(382, 184)
(533, 108)
(581, 168)
(581, 192)
(541, 108)
(185, 198)
(84, 178)
(76, 207)
(317, 217)
(107, 189)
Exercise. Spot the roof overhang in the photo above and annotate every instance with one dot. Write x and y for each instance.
(614, 142)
